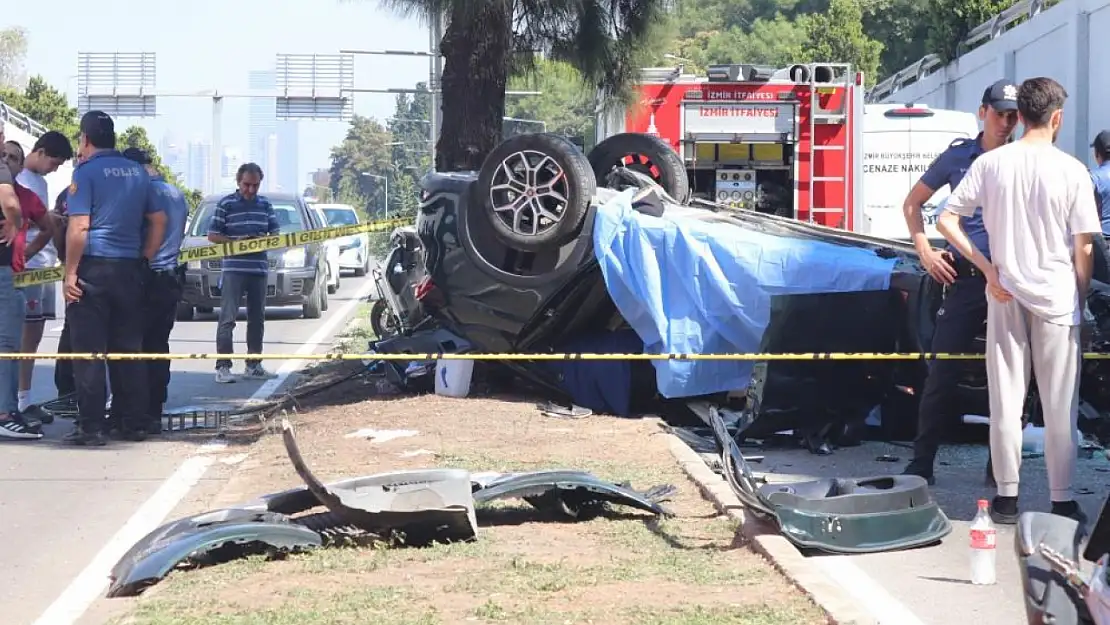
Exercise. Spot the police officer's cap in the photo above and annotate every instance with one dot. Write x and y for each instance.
(97, 125)
(1001, 96)
(1101, 144)
(138, 155)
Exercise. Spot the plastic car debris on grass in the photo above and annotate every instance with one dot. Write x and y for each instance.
(405, 508)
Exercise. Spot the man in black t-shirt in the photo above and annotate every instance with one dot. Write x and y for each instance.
(12, 426)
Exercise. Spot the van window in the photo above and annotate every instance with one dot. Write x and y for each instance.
(896, 152)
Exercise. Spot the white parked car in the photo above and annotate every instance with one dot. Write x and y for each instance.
(354, 250)
(331, 253)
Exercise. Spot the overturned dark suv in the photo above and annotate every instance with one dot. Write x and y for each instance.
(505, 258)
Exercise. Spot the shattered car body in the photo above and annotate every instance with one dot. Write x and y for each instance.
(410, 508)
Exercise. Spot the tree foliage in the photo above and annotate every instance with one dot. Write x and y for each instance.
(410, 129)
(364, 150)
(45, 104)
(951, 20)
(565, 105)
(136, 137)
(13, 53)
(485, 40)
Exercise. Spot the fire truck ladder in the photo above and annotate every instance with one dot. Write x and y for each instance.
(830, 75)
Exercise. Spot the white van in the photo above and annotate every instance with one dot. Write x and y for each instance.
(899, 143)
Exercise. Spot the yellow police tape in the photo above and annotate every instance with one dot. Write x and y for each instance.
(235, 248)
(518, 357)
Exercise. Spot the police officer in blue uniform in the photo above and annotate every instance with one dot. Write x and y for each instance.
(964, 310)
(1100, 176)
(163, 287)
(115, 229)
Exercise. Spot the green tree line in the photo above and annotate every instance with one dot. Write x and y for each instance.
(878, 37)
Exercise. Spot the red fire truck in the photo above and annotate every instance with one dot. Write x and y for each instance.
(787, 141)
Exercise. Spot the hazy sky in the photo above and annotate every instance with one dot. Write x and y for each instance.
(212, 44)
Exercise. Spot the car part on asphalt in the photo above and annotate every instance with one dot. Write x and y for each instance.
(208, 538)
(837, 515)
(1049, 598)
(645, 154)
(577, 494)
(537, 189)
(418, 507)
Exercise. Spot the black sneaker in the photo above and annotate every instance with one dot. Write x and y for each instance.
(82, 439)
(37, 413)
(1004, 510)
(13, 428)
(916, 468)
(1071, 510)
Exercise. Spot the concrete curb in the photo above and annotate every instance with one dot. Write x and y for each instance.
(840, 607)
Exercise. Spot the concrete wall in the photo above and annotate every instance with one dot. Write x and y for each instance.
(1059, 42)
(25, 131)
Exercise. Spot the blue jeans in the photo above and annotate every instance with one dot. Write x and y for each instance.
(12, 309)
(233, 287)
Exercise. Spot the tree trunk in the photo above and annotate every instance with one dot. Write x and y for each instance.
(476, 47)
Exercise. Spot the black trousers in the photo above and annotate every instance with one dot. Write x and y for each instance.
(163, 292)
(959, 320)
(109, 318)
(63, 369)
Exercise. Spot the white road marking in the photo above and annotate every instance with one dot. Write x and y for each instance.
(322, 334)
(89, 585)
(872, 596)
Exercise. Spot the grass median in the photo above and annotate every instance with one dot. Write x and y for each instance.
(524, 568)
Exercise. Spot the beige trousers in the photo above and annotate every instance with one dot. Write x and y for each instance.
(1016, 339)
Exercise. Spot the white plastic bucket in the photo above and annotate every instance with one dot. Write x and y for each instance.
(453, 377)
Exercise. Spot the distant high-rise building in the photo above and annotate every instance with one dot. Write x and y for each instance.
(280, 162)
(230, 161)
(174, 155)
(198, 169)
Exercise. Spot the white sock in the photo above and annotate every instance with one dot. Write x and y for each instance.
(24, 399)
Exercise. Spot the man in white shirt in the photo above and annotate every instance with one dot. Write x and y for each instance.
(1038, 207)
(50, 152)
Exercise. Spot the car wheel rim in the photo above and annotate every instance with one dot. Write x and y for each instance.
(529, 193)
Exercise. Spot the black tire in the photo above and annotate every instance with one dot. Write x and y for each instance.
(536, 163)
(185, 312)
(205, 310)
(332, 289)
(646, 154)
(314, 302)
(381, 320)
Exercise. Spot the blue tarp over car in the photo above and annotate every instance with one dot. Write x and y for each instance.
(688, 286)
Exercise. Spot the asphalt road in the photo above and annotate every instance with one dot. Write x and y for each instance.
(62, 505)
(931, 585)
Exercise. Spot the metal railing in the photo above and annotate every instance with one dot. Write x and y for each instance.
(991, 29)
(21, 120)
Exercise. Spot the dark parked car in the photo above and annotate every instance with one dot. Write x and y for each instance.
(509, 264)
(297, 277)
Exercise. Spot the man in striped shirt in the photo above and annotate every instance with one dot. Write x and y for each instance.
(243, 215)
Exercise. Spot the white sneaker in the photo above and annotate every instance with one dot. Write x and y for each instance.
(224, 375)
(256, 372)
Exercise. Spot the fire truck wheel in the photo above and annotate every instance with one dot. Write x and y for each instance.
(646, 154)
(537, 190)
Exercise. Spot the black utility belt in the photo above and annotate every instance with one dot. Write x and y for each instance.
(966, 269)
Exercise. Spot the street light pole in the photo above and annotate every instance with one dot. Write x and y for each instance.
(385, 183)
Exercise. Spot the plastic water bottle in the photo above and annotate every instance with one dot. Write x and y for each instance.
(983, 546)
